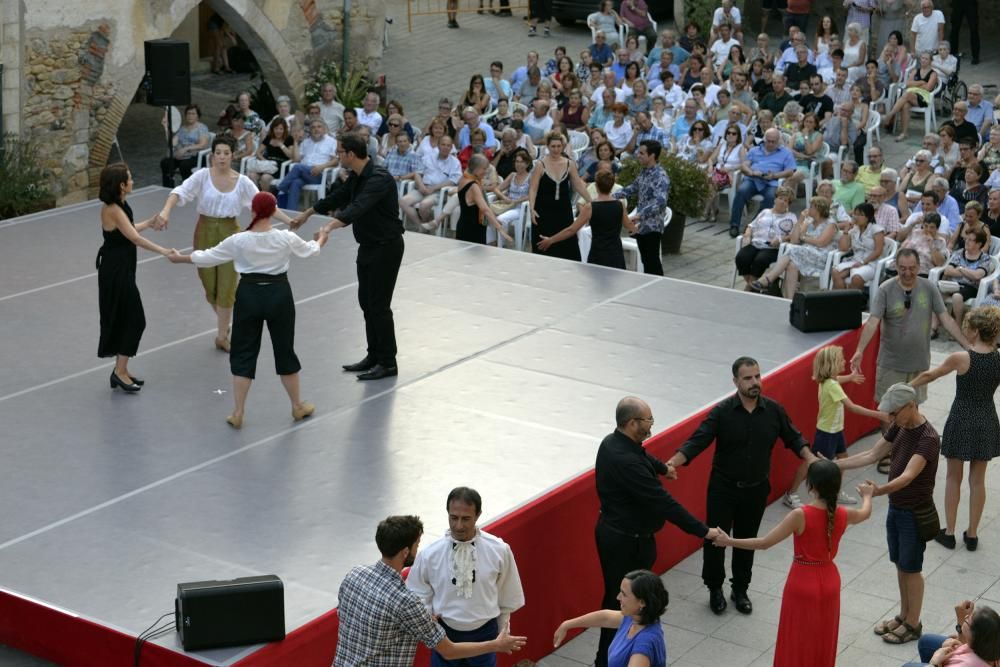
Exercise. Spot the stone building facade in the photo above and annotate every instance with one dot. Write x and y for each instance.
(71, 69)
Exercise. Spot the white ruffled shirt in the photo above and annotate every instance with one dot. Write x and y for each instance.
(211, 202)
(257, 252)
(467, 583)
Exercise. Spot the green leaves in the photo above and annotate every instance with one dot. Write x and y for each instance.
(24, 186)
(690, 185)
(352, 85)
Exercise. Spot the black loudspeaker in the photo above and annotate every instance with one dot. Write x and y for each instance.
(212, 614)
(168, 71)
(827, 311)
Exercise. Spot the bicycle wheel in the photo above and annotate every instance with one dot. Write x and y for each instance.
(947, 101)
(961, 91)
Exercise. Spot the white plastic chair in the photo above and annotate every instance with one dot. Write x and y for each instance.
(439, 206)
(888, 253)
(584, 239)
(327, 177)
(578, 142)
(929, 112)
(204, 154)
(984, 285)
(815, 168)
(994, 250)
(874, 128)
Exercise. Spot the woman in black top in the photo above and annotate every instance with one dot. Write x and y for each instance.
(275, 149)
(122, 316)
(473, 205)
(606, 217)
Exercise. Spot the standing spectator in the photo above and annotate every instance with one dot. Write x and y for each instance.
(635, 14)
(368, 113)
(860, 12)
(927, 29)
(468, 579)
(541, 12)
(797, 14)
(972, 432)
(381, 621)
(729, 15)
(967, 10)
(745, 427)
(914, 447)
(762, 168)
(188, 140)
(634, 505)
(652, 187)
(330, 109)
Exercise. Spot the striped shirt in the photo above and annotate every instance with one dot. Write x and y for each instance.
(922, 441)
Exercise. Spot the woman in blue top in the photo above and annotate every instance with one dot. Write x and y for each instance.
(639, 641)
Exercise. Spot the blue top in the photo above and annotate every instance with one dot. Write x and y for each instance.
(601, 53)
(777, 160)
(648, 642)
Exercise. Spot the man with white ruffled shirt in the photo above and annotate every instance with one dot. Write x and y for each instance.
(467, 579)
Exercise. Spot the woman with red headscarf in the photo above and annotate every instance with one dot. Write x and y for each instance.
(261, 255)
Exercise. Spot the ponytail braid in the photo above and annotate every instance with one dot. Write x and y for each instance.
(831, 514)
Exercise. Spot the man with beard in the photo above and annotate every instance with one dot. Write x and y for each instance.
(744, 428)
(381, 621)
(634, 505)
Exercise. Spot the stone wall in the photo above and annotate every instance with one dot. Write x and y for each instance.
(73, 69)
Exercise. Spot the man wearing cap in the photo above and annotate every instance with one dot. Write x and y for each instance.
(914, 447)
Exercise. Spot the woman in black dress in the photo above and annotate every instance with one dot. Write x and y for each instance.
(551, 205)
(606, 217)
(122, 317)
(473, 206)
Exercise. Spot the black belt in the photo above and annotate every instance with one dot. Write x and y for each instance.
(603, 522)
(264, 278)
(739, 484)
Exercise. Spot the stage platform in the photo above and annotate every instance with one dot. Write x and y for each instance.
(510, 369)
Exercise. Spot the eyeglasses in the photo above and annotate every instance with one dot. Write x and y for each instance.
(393, 124)
(697, 129)
(906, 300)
(645, 419)
(918, 160)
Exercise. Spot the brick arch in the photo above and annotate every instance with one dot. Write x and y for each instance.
(270, 49)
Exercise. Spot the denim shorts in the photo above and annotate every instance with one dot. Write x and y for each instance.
(829, 444)
(906, 549)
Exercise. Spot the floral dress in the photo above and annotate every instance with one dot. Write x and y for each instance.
(810, 259)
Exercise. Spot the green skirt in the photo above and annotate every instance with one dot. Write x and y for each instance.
(219, 281)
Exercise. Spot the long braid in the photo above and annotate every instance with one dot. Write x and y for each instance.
(831, 513)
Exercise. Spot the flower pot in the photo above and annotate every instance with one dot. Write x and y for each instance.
(673, 235)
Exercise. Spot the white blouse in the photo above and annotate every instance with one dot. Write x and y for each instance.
(257, 252)
(211, 202)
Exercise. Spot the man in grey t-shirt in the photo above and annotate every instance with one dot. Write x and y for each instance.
(904, 307)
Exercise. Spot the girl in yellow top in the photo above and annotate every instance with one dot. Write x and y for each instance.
(828, 364)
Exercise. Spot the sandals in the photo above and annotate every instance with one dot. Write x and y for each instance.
(883, 466)
(760, 286)
(888, 626)
(903, 633)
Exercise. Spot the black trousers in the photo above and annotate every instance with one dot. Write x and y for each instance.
(967, 10)
(649, 250)
(378, 267)
(737, 511)
(754, 261)
(619, 554)
(257, 304)
(169, 165)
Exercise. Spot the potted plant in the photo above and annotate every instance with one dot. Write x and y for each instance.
(690, 190)
(352, 85)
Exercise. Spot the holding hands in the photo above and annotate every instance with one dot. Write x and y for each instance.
(176, 257)
(719, 538)
(867, 488)
(508, 643)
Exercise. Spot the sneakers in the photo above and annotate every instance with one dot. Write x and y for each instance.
(844, 499)
(791, 500)
(532, 31)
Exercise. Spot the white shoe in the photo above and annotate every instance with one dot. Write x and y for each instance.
(791, 500)
(844, 499)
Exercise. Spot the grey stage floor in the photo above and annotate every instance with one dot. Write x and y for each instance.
(510, 368)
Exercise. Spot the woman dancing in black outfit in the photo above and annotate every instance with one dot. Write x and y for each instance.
(122, 317)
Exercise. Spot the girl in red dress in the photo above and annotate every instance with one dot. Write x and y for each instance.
(811, 598)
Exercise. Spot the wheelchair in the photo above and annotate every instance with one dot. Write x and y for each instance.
(954, 90)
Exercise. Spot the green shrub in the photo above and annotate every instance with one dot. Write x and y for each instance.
(352, 84)
(690, 185)
(24, 186)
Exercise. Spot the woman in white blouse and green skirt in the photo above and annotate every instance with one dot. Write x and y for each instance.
(261, 255)
(221, 193)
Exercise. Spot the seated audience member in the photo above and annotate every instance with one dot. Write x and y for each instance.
(402, 161)
(473, 120)
(776, 100)
(870, 173)
(948, 150)
(720, 47)
(574, 114)
(609, 82)
(583, 66)
(661, 117)
(761, 83)
(838, 213)
(973, 189)
(520, 75)
(589, 156)
(643, 130)
(691, 36)
(395, 107)
(979, 112)
(921, 82)
(682, 124)
(635, 15)
(761, 50)
(521, 139)
(928, 204)
(965, 268)
(762, 168)
(726, 158)
(605, 20)
(672, 94)
(733, 118)
(313, 155)
(755, 135)
(916, 181)
(697, 145)
(801, 69)
(838, 88)
(501, 119)
(668, 41)
(528, 90)
(496, 87)
(847, 190)
(843, 129)
(976, 641)
(368, 114)
(188, 140)
(639, 100)
(886, 216)
(789, 119)
(806, 144)
(394, 128)
(284, 108)
(889, 180)
(600, 52)
(538, 123)
(925, 240)
(618, 129)
(273, 151)
(943, 62)
(369, 137)
(728, 15)
(477, 145)
(817, 101)
(948, 205)
(871, 85)
(761, 239)
(513, 189)
(991, 216)
(663, 65)
(811, 241)
(246, 144)
(429, 143)
(442, 170)
(865, 241)
(503, 159)
(330, 109)
(956, 176)
(971, 222)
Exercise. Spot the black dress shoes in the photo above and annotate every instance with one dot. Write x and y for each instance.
(137, 381)
(945, 540)
(971, 543)
(365, 364)
(118, 383)
(742, 602)
(716, 600)
(378, 372)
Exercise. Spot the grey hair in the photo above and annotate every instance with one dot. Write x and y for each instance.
(923, 153)
(946, 44)
(939, 182)
(854, 28)
(889, 172)
(933, 137)
(976, 88)
(469, 109)
(793, 108)
(477, 161)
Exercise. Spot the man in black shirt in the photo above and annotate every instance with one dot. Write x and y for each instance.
(963, 128)
(776, 100)
(634, 505)
(368, 201)
(801, 69)
(817, 101)
(744, 428)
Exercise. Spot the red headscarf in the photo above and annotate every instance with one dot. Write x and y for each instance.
(263, 206)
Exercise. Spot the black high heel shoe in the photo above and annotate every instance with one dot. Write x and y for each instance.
(138, 381)
(116, 382)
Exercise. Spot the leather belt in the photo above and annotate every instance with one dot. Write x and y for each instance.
(739, 484)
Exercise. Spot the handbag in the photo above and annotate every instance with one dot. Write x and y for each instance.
(928, 522)
(261, 166)
(720, 178)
